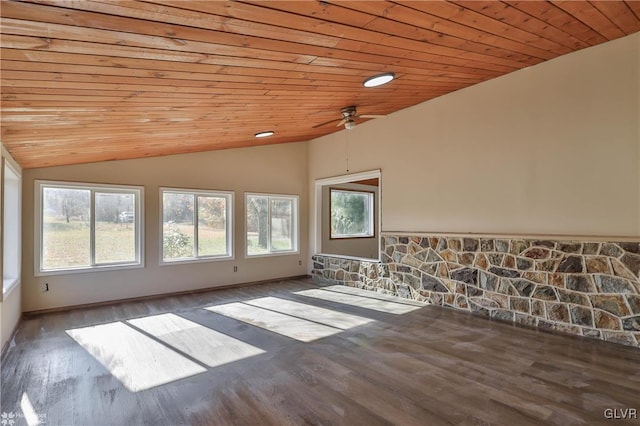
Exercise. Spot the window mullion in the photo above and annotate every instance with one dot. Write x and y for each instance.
(227, 227)
(92, 227)
(293, 232)
(138, 235)
(41, 228)
(269, 247)
(196, 228)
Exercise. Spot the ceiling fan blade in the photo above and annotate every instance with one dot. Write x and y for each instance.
(344, 120)
(371, 116)
(325, 123)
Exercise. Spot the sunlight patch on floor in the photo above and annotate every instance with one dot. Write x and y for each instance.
(373, 295)
(312, 313)
(296, 328)
(30, 415)
(136, 360)
(199, 342)
(359, 301)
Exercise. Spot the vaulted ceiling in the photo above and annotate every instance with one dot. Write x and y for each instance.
(86, 81)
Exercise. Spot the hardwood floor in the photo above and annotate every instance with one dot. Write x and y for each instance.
(295, 353)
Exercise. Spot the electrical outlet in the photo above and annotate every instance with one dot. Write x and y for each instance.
(299, 262)
(44, 287)
(235, 269)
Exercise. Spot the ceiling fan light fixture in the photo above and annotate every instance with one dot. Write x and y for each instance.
(350, 124)
(264, 134)
(379, 80)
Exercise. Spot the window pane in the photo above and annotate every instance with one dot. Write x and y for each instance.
(351, 214)
(212, 226)
(281, 225)
(66, 228)
(177, 225)
(257, 225)
(115, 236)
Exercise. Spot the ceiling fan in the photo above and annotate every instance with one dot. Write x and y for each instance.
(349, 117)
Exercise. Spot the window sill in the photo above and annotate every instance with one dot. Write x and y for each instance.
(8, 285)
(195, 260)
(282, 253)
(90, 269)
(359, 237)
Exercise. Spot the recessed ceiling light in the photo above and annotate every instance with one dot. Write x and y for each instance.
(264, 134)
(379, 80)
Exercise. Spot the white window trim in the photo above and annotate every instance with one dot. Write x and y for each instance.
(295, 227)
(229, 226)
(8, 285)
(371, 233)
(93, 187)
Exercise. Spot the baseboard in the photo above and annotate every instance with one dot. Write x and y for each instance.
(5, 347)
(158, 296)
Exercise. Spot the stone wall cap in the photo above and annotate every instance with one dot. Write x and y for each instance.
(564, 238)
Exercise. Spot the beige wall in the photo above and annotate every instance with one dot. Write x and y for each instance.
(267, 169)
(10, 303)
(552, 149)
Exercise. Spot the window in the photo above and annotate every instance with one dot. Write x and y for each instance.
(271, 224)
(351, 213)
(196, 225)
(87, 226)
(321, 234)
(11, 228)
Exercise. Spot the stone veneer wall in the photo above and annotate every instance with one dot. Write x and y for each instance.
(586, 288)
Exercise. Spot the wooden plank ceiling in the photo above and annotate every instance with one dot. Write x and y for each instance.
(86, 81)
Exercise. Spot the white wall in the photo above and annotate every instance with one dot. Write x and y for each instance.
(10, 312)
(280, 169)
(10, 303)
(11, 225)
(553, 149)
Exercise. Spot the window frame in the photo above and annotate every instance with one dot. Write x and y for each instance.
(317, 224)
(295, 228)
(372, 221)
(229, 195)
(138, 192)
(10, 283)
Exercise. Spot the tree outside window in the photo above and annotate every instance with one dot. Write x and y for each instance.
(195, 225)
(271, 222)
(351, 214)
(81, 226)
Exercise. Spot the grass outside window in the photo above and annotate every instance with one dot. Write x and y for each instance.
(83, 226)
(196, 225)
